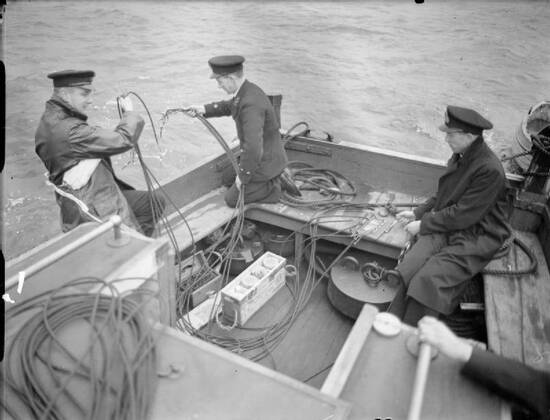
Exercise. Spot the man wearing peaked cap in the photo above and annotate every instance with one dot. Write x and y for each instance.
(459, 229)
(262, 158)
(225, 64)
(465, 120)
(77, 156)
(72, 78)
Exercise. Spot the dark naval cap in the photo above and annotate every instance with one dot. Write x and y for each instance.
(464, 119)
(72, 78)
(225, 64)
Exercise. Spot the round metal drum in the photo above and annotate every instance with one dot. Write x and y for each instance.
(348, 291)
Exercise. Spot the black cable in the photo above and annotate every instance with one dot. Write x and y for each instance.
(116, 365)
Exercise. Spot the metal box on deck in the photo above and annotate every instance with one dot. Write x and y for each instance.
(243, 296)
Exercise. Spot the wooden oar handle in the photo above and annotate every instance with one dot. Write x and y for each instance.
(420, 377)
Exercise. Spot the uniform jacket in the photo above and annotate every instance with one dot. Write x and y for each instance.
(262, 153)
(512, 380)
(471, 196)
(63, 138)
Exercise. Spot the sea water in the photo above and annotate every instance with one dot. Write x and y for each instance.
(378, 73)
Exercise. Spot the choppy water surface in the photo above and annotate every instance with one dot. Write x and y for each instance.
(378, 73)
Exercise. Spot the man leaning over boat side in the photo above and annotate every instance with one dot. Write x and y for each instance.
(263, 158)
(460, 229)
(77, 156)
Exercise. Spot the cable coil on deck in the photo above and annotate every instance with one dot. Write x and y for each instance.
(107, 371)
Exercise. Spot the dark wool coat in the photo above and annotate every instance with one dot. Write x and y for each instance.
(461, 228)
(512, 380)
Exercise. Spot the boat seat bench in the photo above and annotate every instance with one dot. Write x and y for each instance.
(517, 307)
(203, 216)
(380, 235)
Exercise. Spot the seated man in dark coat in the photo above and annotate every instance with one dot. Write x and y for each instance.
(77, 156)
(460, 228)
(263, 157)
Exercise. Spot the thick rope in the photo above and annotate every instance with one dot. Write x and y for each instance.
(504, 251)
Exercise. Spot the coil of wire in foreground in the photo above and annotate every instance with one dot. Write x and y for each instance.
(80, 355)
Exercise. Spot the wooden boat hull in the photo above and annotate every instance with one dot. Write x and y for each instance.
(316, 339)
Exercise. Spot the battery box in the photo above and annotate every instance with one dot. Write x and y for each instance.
(251, 289)
(197, 274)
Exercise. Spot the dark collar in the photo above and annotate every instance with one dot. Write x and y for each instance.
(472, 150)
(68, 109)
(242, 88)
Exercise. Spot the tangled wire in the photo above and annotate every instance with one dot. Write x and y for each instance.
(76, 354)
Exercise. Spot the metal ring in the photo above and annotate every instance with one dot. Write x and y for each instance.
(349, 263)
(372, 274)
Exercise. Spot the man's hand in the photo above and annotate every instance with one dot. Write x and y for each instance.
(126, 104)
(405, 216)
(438, 335)
(413, 227)
(238, 182)
(195, 110)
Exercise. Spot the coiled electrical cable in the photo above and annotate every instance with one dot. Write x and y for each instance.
(331, 184)
(111, 374)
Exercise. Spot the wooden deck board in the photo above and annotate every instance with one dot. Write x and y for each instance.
(203, 216)
(517, 314)
(379, 234)
(310, 346)
(218, 384)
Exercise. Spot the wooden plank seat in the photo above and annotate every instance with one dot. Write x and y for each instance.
(378, 234)
(517, 307)
(203, 215)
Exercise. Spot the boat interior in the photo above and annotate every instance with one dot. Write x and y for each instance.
(318, 336)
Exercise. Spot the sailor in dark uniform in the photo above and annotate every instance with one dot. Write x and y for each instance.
(77, 156)
(460, 228)
(262, 158)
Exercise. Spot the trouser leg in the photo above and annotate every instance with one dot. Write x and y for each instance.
(147, 208)
(415, 311)
(422, 250)
(399, 302)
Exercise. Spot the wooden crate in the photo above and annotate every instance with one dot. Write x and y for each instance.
(216, 384)
(138, 258)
